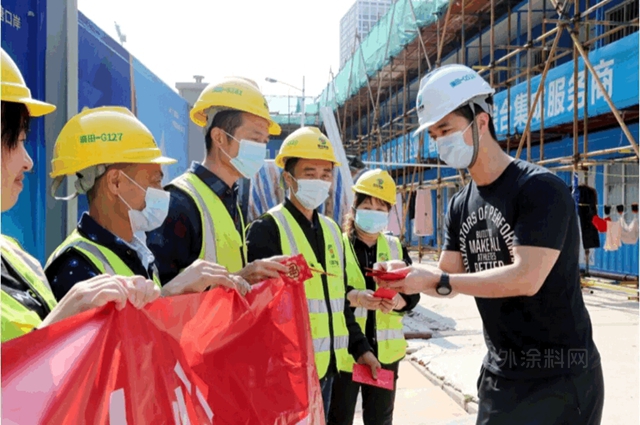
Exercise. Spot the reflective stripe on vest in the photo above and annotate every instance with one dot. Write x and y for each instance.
(320, 306)
(294, 241)
(105, 260)
(389, 334)
(17, 319)
(361, 312)
(221, 242)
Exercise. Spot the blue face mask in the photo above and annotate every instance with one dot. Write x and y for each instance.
(372, 222)
(250, 158)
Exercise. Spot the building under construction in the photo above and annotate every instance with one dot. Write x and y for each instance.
(534, 53)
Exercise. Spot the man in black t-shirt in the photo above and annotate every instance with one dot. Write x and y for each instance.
(512, 242)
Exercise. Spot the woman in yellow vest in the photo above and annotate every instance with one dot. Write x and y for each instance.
(380, 319)
(26, 299)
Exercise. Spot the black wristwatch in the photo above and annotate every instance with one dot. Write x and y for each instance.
(444, 288)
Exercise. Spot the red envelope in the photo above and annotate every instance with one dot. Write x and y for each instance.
(385, 293)
(362, 374)
(383, 275)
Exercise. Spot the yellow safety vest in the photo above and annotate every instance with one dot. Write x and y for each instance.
(293, 242)
(221, 242)
(17, 319)
(391, 343)
(105, 260)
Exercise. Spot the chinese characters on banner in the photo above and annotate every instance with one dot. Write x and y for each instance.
(9, 18)
(557, 100)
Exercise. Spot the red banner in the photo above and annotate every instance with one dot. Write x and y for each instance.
(212, 358)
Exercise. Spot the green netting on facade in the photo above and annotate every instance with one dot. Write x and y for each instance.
(400, 27)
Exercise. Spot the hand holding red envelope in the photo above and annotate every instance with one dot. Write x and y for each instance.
(389, 276)
(385, 293)
(362, 374)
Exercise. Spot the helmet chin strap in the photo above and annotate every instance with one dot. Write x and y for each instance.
(475, 136)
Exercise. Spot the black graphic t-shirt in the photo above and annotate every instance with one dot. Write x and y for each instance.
(546, 334)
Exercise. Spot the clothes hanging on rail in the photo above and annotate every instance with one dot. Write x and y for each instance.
(395, 216)
(614, 235)
(600, 224)
(423, 213)
(588, 199)
(411, 211)
(629, 231)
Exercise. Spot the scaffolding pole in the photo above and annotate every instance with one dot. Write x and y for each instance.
(378, 133)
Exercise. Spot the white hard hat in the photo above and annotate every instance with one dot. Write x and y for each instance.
(447, 88)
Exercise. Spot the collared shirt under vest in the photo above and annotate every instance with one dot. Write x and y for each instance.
(91, 250)
(18, 315)
(389, 337)
(326, 304)
(215, 225)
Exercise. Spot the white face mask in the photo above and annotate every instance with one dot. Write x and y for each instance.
(250, 158)
(153, 214)
(453, 150)
(312, 193)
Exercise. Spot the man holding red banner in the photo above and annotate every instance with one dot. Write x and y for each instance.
(294, 227)
(27, 301)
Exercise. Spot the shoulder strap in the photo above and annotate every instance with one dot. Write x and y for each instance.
(185, 183)
(334, 231)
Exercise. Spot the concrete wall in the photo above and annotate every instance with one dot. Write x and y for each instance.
(190, 91)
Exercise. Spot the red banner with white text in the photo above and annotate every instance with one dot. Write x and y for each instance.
(211, 358)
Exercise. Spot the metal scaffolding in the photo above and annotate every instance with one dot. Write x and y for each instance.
(463, 20)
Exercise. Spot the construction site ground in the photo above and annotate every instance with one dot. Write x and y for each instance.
(437, 383)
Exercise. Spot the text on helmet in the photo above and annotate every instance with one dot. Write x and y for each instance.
(323, 143)
(228, 90)
(460, 80)
(105, 137)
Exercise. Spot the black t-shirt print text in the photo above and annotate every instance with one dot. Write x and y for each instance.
(486, 239)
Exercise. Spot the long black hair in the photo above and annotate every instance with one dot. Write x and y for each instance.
(15, 120)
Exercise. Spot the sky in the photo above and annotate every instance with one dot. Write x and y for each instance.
(281, 39)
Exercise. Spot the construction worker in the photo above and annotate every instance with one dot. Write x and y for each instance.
(294, 227)
(512, 242)
(379, 318)
(204, 220)
(118, 166)
(27, 301)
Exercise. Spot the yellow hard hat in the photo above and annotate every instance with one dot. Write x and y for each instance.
(233, 93)
(307, 143)
(377, 183)
(105, 135)
(14, 89)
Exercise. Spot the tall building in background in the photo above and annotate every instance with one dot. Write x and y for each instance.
(361, 17)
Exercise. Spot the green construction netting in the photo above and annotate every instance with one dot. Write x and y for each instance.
(400, 27)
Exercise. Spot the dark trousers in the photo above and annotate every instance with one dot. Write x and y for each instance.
(326, 386)
(560, 400)
(377, 403)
